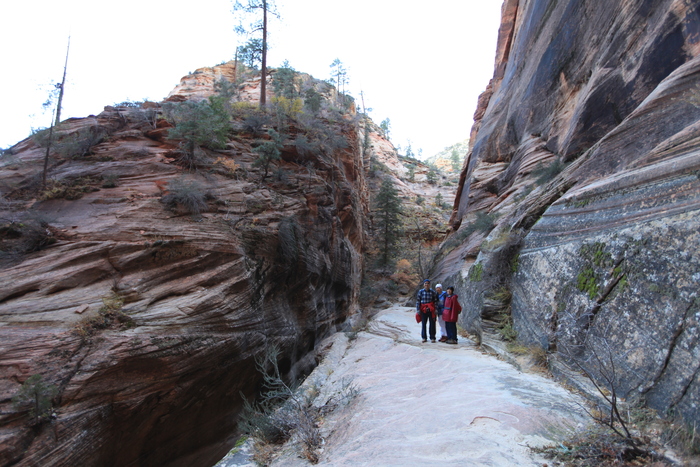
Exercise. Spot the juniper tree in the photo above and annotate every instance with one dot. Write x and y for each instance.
(388, 210)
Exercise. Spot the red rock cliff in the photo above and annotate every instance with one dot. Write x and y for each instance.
(147, 318)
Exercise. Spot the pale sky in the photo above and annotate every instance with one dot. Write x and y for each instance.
(420, 64)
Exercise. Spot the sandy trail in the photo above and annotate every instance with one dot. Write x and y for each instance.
(433, 403)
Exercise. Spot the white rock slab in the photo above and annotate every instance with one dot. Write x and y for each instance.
(437, 404)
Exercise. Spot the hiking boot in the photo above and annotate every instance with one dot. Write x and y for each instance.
(443, 339)
(451, 341)
(425, 340)
(432, 340)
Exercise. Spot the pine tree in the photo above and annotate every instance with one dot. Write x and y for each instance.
(388, 210)
(262, 7)
(250, 54)
(339, 76)
(386, 127)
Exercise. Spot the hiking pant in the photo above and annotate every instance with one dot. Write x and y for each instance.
(441, 322)
(424, 318)
(451, 330)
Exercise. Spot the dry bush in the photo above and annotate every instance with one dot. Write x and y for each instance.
(229, 165)
(70, 189)
(595, 447)
(188, 194)
(283, 410)
(403, 265)
(403, 278)
(538, 355)
(109, 316)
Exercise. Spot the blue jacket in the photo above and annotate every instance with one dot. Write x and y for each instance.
(441, 302)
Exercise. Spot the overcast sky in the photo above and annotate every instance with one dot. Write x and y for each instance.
(420, 64)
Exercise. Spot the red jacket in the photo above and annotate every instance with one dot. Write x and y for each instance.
(452, 309)
(428, 308)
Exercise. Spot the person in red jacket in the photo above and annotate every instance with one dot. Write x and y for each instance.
(450, 313)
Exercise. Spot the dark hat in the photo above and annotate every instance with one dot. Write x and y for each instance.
(427, 280)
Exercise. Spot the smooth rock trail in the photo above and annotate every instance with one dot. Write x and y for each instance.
(433, 403)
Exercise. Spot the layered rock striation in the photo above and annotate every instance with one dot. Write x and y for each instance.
(144, 310)
(586, 155)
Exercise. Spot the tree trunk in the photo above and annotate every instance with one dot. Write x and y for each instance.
(263, 72)
(235, 68)
(63, 86)
(46, 157)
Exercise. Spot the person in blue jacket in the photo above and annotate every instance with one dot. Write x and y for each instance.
(441, 294)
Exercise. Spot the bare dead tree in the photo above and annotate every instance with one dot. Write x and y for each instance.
(595, 358)
(62, 87)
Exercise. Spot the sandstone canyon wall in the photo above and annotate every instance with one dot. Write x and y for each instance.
(586, 156)
(156, 379)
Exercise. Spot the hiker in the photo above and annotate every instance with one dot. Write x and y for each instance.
(425, 307)
(450, 313)
(441, 294)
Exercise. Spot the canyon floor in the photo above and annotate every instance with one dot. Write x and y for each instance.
(429, 403)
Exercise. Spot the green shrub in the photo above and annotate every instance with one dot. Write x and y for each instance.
(506, 330)
(439, 201)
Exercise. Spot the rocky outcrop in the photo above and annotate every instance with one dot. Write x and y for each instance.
(586, 152)
(201, 83)
(145, 313)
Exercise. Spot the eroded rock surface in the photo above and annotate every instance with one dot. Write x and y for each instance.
(586, 148)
